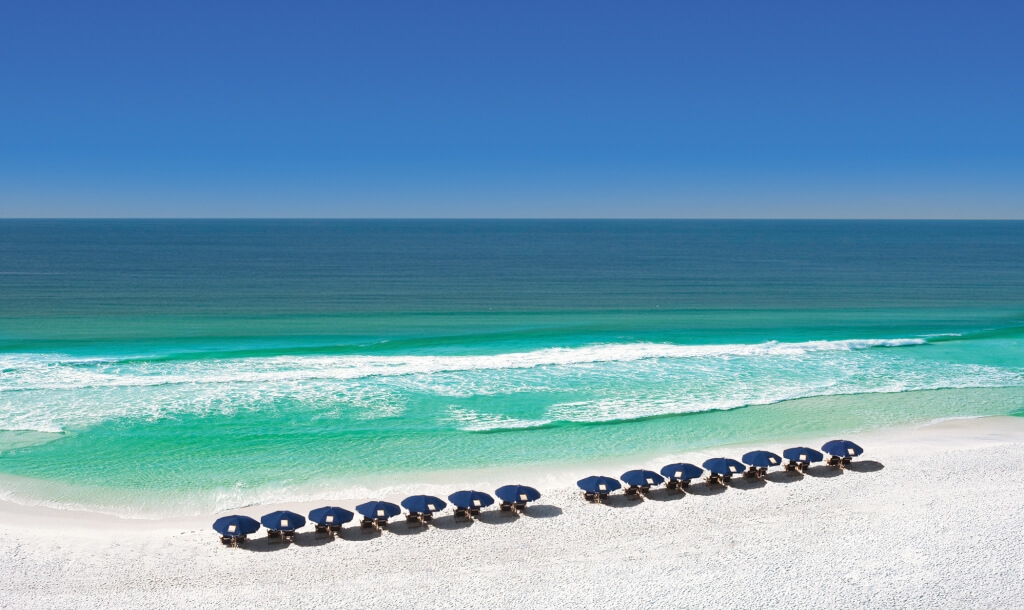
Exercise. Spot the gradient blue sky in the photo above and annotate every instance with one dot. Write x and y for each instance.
(537, 109)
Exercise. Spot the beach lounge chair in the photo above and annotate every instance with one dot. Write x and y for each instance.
(750, 473)
(367, 523)
(462, 513)
(845, 462)
(414, 518)
(716, 478)
(321, 528)
(633, 492)
(507, 508)
(589, 497)
(273, 533)
(835, 461)
(677, 484)
(426, 517)
(232, 540)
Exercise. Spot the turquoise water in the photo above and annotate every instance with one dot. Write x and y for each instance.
(181, 367)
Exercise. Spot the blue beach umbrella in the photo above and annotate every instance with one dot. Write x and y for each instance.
(803, 454)
(283, 520)
(842, 448)
(761, 459)
(471, 499)
(517, 493)
(330, 515)
(682, 472)
(724, 466)
(598, 485)
(642, 478)
(236, 525)
(423, 504)
(378, 510)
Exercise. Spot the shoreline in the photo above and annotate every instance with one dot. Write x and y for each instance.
(926, 510)
(941, 435)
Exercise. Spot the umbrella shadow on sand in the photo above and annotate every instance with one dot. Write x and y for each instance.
(781, 476)
(706, 490)
(313, 539)
(865, 466)
(358, 534)
(665, 495)
(745, 483)
(541, 511)
(404, 528)
(268, 545)
(823, 472)
(623, 501)
(449, 522)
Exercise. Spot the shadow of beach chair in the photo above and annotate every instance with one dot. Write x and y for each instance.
(794, 467)
(512, 509)
(414, 518)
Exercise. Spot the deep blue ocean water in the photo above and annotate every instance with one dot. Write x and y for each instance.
(157, 367)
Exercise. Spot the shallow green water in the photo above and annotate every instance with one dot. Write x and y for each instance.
(169, 368)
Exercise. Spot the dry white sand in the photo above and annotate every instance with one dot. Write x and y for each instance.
(929, 518)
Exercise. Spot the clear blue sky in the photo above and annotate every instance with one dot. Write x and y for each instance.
(569, 109)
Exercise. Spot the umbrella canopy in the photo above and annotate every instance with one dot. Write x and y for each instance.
(842, 448)
(682, 472)
(379, 510)
(517, 493)
(283, 520)
(236, 525)
(471, 499)
(330, 515)
(761, 459)
(423, 504)
(723, 466)
(642, 478)
(803, 454)
(598, 485)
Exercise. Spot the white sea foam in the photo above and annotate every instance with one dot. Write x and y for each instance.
(602, 382)
(53, 372)
(474, 421)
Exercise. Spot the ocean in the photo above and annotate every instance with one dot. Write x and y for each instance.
(154, 368)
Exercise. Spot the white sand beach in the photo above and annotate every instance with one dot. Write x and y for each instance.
(930, 517)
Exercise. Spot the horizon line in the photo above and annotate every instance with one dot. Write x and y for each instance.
(503, 218)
